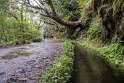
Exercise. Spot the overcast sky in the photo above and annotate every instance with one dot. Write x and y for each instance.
(34, 2)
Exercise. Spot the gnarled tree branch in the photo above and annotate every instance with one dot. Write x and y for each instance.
(52, 14)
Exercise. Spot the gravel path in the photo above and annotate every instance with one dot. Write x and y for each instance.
(25, 64)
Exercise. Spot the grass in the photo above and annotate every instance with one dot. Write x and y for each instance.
(61, 70)
(111, 54)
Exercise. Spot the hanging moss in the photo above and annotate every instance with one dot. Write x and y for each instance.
(111, 13)
(118, 7)
(118, 15)
(120, 32)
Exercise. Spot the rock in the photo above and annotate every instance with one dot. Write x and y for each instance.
(23, 79)
(1, 73)
(12, 80)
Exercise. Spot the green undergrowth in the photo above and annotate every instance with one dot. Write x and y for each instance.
(61, 70)
(17, 32)
(112, 52)
(95, 29)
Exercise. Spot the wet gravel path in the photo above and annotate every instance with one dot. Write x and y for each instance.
(25, 64)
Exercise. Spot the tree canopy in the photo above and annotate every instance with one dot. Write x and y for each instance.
(47, 8)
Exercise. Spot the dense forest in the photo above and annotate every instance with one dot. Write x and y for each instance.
(95, 25)
(16, 24)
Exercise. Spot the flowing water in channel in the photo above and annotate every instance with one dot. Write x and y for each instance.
(89, 68)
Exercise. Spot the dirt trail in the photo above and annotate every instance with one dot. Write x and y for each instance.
(24, 64)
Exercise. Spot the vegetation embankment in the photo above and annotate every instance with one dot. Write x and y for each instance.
(61, 70)
(104, 33)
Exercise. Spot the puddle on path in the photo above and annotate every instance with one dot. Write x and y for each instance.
(16, 53)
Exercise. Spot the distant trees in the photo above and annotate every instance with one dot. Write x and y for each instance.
(15, 27)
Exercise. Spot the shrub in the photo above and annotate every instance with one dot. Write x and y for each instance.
(95, 30)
